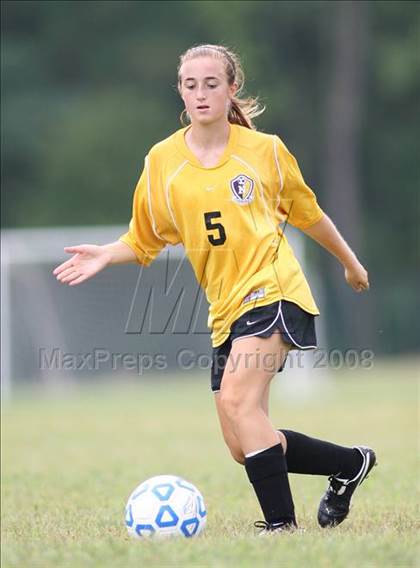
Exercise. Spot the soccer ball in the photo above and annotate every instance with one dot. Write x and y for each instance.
(165, 505)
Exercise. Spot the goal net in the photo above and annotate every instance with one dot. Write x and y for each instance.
(128, 320)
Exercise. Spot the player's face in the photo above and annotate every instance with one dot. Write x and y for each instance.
(205, 90)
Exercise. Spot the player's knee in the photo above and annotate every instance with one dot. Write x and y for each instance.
(235, 450)
(234, 405)
(229, 403)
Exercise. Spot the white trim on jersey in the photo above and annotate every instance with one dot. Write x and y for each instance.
(149, 196)
(168, 183)
(276, 158)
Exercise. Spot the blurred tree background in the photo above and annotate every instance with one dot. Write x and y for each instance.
(89, 86)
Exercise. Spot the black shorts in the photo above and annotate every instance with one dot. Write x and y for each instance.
(296, 327)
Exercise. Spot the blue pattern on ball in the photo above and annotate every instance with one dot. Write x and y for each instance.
(200, 506)
(129, 521)
(193, 524)
(141, 528)
(166, 509)
(163, 491)
(185, 485)
(141, 491)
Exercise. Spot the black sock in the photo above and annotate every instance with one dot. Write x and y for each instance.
(267, 472)
(316, 457)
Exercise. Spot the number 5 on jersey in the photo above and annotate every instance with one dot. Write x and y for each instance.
(218, 234)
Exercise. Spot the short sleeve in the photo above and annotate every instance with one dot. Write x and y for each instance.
(142, 236)
(298, 203)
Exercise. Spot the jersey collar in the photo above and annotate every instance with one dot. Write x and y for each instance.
(183, 148)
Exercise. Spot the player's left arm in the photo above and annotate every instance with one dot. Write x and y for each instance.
(298, 206)
(327, 235)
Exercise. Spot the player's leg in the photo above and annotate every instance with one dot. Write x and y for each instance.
(346, 467)
(252, 363)
(312, 456)
(229, 436)
(248, 371)
(243, 388)
(304, 454)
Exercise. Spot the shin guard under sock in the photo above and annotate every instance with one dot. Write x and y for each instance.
(267, 472)
(311, 456)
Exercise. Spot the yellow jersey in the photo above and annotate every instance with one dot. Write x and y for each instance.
(228, 219)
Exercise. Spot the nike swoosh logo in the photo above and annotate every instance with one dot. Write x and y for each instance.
(252, 322)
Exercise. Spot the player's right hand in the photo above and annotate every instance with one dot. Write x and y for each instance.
(87, 260)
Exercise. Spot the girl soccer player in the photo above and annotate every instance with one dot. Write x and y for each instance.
(222, 189)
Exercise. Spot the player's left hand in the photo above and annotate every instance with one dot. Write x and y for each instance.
(357, 277)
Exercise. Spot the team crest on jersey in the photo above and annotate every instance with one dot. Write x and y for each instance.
(242, 188)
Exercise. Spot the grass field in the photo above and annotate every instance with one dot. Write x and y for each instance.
(70, 462)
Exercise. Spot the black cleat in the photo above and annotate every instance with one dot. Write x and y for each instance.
(268, 528)
(335, 504)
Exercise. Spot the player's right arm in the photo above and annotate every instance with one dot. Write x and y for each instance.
(88, 260)
(141, 243)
